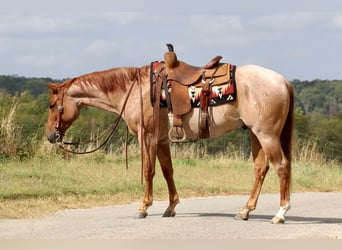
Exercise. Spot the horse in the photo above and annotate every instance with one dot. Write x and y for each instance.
(264, 106)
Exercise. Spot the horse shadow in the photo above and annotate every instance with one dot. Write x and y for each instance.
(259, 217)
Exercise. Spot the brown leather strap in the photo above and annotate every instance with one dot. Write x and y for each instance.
(203, 110)
(167, 94)
(142, 126)
(156, 109)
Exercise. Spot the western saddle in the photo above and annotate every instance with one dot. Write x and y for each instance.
(178, 77)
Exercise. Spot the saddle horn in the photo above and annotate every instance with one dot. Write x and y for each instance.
(170, 57)
(170, 47)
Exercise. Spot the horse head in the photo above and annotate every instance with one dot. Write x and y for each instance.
(63, 111)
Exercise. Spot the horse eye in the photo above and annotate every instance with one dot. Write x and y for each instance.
(51, 106)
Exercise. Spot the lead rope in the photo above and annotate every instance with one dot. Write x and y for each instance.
(90, 141)
(142, 141)
(126, 147)
(115, 126)
(142, 138)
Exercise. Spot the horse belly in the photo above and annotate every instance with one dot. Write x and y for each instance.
(222, 119)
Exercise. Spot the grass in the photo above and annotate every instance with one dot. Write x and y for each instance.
(9, 130)
(45, 184)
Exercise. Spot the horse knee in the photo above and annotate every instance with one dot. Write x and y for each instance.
(149, 173)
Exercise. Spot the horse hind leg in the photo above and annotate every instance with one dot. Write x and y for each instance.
(282, 165)
(283, 169)
(261, 167)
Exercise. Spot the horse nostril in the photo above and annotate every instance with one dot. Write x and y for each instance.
(58, 137)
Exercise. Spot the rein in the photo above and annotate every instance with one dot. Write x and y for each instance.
(113, 128)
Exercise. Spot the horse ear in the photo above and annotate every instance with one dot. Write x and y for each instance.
(53, 87)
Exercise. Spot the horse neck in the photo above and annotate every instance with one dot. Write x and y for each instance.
(107, 90)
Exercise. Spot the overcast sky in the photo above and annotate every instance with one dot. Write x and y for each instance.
(301, 39)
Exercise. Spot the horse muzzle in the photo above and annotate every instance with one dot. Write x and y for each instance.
(54, 137)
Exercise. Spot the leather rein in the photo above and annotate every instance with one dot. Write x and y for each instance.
(112, 129)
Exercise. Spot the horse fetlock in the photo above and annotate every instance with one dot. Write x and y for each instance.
(174, 202)
(141, 213)
(279, 218)
(147, 202)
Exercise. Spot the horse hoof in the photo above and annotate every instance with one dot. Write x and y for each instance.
(169, 213)
(277, 220)
(241, 216)
(140, 215)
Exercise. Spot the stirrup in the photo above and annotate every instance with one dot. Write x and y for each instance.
(180, 135)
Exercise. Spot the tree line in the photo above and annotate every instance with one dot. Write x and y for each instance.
(318, 117)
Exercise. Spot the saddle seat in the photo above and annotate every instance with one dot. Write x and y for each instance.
(186, 74)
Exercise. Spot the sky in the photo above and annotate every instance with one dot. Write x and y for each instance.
(300, 39)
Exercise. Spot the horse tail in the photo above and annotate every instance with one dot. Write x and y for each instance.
(287, 132)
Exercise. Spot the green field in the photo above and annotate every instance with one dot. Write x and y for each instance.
(45, 184)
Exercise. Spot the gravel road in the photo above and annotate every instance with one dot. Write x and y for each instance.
(313, 215)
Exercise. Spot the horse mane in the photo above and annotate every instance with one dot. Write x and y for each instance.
(107, 81)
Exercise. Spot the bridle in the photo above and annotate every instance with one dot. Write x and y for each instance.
(112, 129)
(60, 109)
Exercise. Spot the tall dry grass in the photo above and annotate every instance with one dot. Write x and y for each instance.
(10, 131)
(310, 151)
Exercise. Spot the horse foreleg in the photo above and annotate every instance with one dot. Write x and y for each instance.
(149, 160)
(164, 157)
(261, 168)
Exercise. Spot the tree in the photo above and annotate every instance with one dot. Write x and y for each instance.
(301, 122)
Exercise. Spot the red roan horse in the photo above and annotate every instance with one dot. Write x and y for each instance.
(264, 105)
